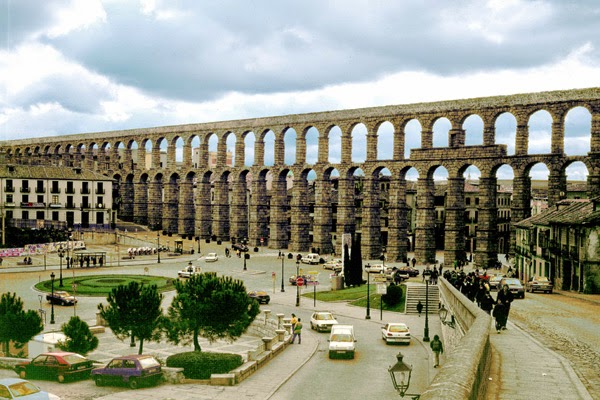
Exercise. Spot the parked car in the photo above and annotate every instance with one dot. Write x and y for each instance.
(189, 271)
(61, 298)
(134, 371)
(375, 268)
(514, 285)
(412, 272)
(239, 247)
(335, 265)
(539, 284)
(211, 257)
(395, 332)
(15, 388)
(494, 281)
(342, 341)
(311, 258)
(60, 365)
(396, 275)
(322, 321)
(260, 295)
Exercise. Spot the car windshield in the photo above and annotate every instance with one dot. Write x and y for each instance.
(74, 358)
(149, 362)
(398, 328)
(324, 316)
(20, 389)
(541, 280)
(341, 337)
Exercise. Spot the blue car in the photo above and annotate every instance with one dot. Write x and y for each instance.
(16, 388)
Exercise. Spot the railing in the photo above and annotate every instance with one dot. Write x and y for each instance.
(55, 190)
(84, 191)
(70, 191)
(25, 190)
(33, 205)
(9, 189)
(40, 190)
(99, 191)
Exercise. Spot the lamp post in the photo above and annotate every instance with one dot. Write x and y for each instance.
(70, 249)
(367, 268)
(158, 246)
(52, 299)
(426, 331)
(61, 254)
(282, 259)
(400, 374)
(443, 314)
(297, 273)
(246, 256)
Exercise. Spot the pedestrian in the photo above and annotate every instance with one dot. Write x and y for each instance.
(486, 302)
(414, 261)
(297, 331)
(500, 316)
(437, 347)
(505, 296)
(419, 307)
(293, 321)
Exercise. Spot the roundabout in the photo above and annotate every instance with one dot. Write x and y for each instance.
(101, 285)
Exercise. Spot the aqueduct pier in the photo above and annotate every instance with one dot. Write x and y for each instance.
(167, 182)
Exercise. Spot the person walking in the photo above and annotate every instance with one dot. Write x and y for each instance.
(419, 307)
(486, 302)
(505, 296)
(500, 315)
(297, 331)
(437, 347)
(293, 321)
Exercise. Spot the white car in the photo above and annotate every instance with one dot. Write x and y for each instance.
(211, 257)
(335, 265)
(395, 332)
(342, 341)
(375, 269)
(189, 271)
(322, 321)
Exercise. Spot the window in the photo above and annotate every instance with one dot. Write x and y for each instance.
(25, 198)
(55, 188)
(25, 215)
(70, 189)
(9, 198)
(468, 201)
(55, 199)
(40, 198)
(40, 215)
(55, 216)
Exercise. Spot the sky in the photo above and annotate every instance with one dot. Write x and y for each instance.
(75, 66)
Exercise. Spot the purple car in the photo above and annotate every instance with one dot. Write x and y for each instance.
(133, 371)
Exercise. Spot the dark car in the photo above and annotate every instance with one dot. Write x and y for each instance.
(134, 371)
(514, 285)
(260, 295)
(61, 298)
(56, 365)
(240, 247)
(412, 272)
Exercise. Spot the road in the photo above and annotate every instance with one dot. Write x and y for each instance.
(569, 326)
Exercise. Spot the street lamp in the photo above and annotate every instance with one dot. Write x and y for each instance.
(426, 331)
(282, 259)
(70, 249)
(158, 246)
(61, 254)
(246, 256)
(443, 314)
(52, 299)
(368, 268)
(400, 374)
(298, 257)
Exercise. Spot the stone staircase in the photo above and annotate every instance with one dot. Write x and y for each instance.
(417, 291)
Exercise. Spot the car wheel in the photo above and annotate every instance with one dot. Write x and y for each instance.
(550, 291)
(22, 374)
(99, 381)
(133, 383)
(60, 378)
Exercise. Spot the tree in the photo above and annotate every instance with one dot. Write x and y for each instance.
(79, 337)
(16, 324)
(134, 310)
(347, 263)
(353, 272)
(211, 306)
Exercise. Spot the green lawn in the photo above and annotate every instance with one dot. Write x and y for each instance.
(101, 285)
(358, 296)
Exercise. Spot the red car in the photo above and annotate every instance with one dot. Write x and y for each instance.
(133, 371)
(56, 365)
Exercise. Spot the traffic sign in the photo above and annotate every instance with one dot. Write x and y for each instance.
(299, 281)
(312, 283)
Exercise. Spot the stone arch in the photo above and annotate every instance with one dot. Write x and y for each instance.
(385, 140)
(359, 133)
(577, 131)
(473, 127)
(412, 130)
(539, 132)
(334, 143)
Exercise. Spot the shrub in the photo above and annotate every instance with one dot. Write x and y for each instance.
(200, 364)
(393, 295)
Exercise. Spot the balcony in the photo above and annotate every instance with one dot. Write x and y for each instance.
(10, 204)
(84, 191)
(25, 190)
(85, 205)
(40, 190)
(9, 189)
(55, 205)
(55, 190)
(99, 191)
(70, 206)
(70, 191)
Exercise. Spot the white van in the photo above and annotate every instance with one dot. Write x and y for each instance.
(311, 258)
(342, 341)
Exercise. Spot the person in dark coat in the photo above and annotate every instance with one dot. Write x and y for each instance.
(486, 302)
(506, 297)
(419, 307)
(500, 315)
